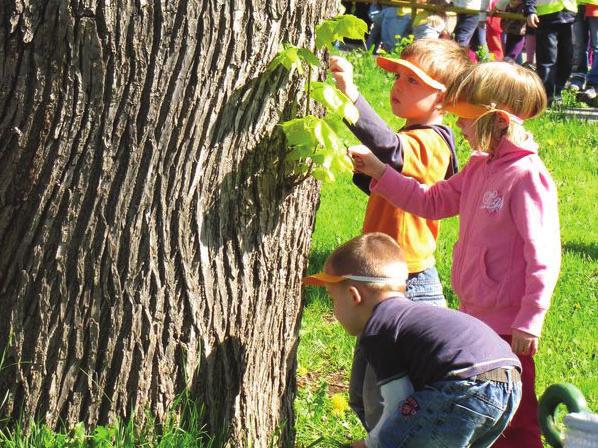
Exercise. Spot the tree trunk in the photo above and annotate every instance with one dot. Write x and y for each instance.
(149, 239)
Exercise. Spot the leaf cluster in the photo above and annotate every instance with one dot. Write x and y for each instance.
(316, 148)
(338, 29)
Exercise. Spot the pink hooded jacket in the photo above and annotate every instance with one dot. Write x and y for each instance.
(507, 258)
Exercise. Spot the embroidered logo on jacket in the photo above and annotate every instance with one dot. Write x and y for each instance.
(492, 201)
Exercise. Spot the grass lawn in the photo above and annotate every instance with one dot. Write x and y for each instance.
(569, 345)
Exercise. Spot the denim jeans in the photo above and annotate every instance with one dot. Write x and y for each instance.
(393, 26)
(579, 61)
(593, 73)
(452, 413)
(553, 56)
(584, 28)
(469, 31)
(425, 287)
(375, 35)
(425, 31)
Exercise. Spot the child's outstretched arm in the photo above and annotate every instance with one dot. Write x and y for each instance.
(370, 129)
(438, 201)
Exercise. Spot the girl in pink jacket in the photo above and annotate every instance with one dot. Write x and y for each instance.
(507, 258)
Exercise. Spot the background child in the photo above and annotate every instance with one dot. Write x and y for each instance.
(423, 149)
(553, 20)
(470, 30)
(586, 31)
(428, 24)
(389, 23)
(494, 33)
(507, 259)
(514, 31)
(465, 377)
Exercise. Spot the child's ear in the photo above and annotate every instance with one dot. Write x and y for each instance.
(356, 296)
(439, 100)
(503, 121)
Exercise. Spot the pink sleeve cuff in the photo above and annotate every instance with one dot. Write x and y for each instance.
(530, 320)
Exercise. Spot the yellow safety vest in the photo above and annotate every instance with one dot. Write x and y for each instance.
(544, 7)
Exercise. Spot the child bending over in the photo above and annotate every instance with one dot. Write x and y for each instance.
(465, 378)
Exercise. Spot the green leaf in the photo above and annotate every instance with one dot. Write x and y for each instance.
(308, 57)
(342, 164)
(328, 138)
(291, 57)
(351, 27)
(299, 153)
(288, 57)
(325, 34)
(299, 132)
(335, 122)
(315, 143)
(338, 28)
(323, 174)
(333, 99)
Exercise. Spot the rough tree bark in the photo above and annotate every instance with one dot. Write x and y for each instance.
(149, 241)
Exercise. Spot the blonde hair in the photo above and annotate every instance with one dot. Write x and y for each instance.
(442, 59)
(504, 86)
(374, 255)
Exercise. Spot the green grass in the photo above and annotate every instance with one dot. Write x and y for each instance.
(569, 345)
(182, 427)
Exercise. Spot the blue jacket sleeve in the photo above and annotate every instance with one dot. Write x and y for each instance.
(529, 7)
(374, 133)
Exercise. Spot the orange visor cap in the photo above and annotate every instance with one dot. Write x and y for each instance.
(474, 111)
(322, 278)
(394, 65)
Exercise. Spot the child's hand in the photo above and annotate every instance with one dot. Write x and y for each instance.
(366, 162)
(533, 21)
(359, 444)
(342, 71)
(524, 343)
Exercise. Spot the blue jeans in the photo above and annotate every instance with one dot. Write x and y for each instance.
(392, 26)
(584, 28)
(452, 413)
(469, 31)
(579, 61)
(375, 34)
(593, 73)
(554, 50)
(425, 287)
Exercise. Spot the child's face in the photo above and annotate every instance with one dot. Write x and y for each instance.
(345, 308)
(467, 126)
(411, 98)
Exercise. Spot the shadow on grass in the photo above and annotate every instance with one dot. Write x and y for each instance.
(585, 250)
